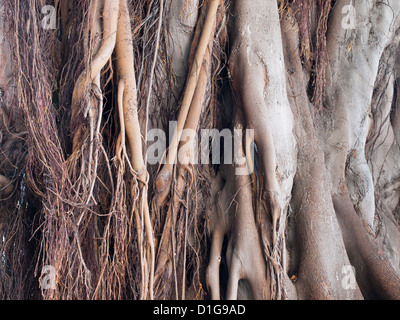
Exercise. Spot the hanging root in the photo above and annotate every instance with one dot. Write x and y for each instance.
(233, 216)
(171, 257)
(110, 19)
(164, 178)
(172, 253)
(128, 97)
(86, 142)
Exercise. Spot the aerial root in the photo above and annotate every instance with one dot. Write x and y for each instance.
(176, 176)
(164, 178)
(129, 122)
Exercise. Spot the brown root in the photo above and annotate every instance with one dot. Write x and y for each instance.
(163, 181)
(128, 95)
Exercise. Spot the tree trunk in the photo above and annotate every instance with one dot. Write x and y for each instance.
(213, 149)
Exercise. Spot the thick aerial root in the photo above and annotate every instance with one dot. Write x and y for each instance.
(347, 106)
(117, 38)
(233, 216)
(86, 142)
(127, 96)
(126, 72)
(254, 107)
(164, 177)
(110, 19)
(259, 84)
(168, 247)
(260, 87)
(382, 152)
(218, 223)
(212, 273)
(316, 243)
(149, 254)
(374, 273)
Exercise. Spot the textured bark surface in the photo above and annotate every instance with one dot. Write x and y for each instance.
(308, 206)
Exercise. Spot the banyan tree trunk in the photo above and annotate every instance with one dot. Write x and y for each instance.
(199, 149)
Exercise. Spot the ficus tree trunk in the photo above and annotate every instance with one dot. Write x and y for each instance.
(199, 149)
